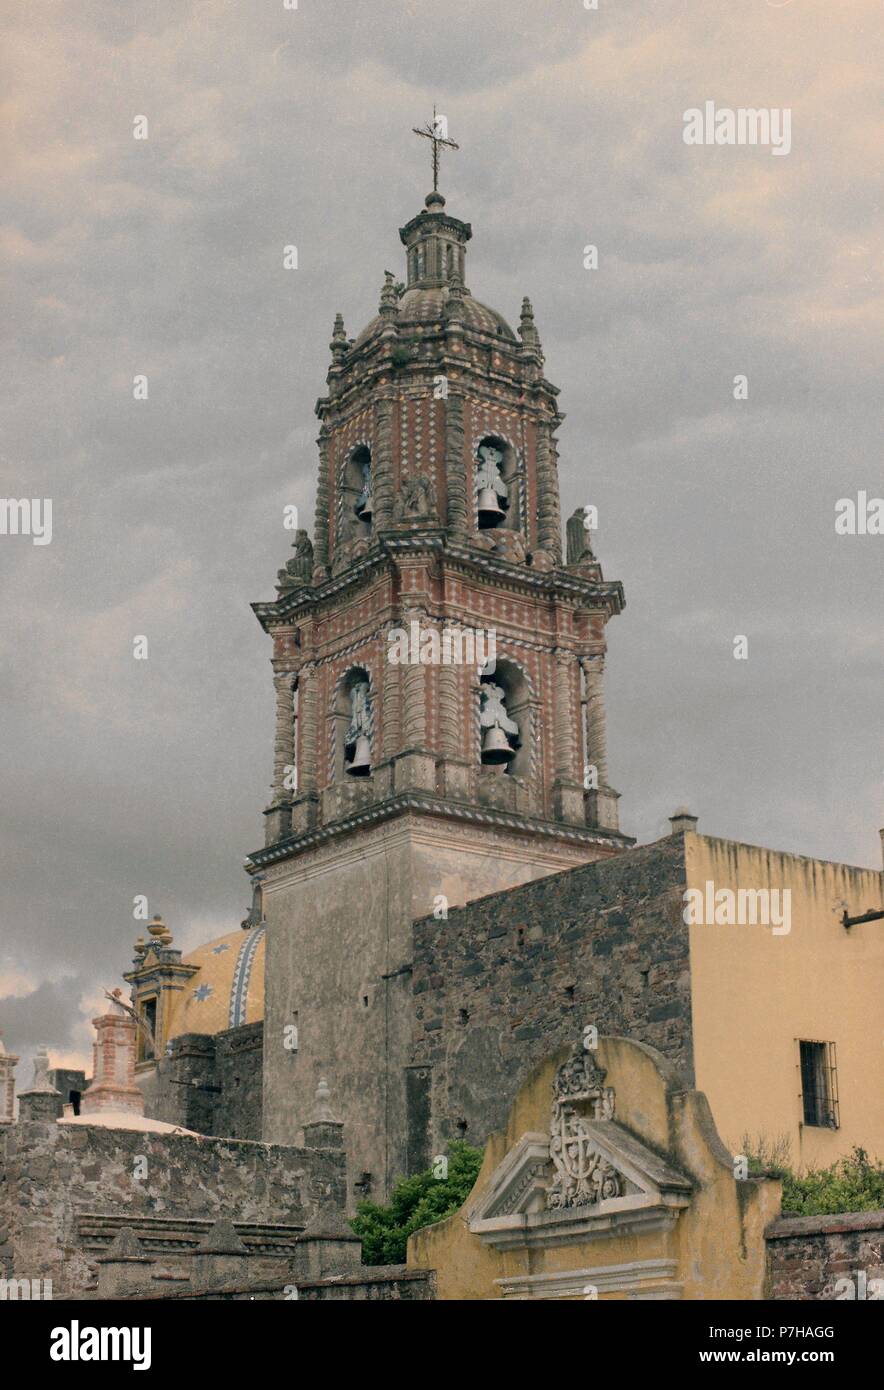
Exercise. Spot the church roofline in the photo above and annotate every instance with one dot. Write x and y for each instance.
(427, 805)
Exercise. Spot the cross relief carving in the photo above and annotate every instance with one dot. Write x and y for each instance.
(582, 1176)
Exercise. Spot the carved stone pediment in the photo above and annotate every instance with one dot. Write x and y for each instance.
(614, 1182)
(585, 1177)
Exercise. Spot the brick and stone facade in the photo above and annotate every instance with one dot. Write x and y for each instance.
(349, 861)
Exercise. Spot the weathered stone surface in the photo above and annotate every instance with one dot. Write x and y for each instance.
(53, 1186)
(603, 944)
(807, 1255)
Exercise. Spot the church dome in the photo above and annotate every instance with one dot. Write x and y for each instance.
(228, 987)
(423, 306)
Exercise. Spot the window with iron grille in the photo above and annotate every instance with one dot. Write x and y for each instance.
(819, 1084)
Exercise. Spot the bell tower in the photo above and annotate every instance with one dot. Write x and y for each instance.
(437, 661)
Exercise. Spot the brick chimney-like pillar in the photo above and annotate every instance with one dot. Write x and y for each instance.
(113, 1073)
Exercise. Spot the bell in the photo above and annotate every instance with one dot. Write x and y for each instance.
(363, 510)
(495, 746)
(490, 510)
(360, 765)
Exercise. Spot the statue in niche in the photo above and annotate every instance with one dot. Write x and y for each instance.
(360, 714)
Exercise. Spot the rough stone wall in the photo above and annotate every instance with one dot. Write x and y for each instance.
(506, 980)
(239, 1054)
(55, 1178)
(210, 1084)
(808, 1255)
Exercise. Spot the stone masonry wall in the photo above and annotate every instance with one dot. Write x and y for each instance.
(211, 1084)
(239, 1054)
(58, 1182)
(808, 1255)
(508, 979)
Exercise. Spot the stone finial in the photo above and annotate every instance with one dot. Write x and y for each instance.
(454, 308)
(42, 1103)
(323, 1130)
(389, 305)
(577, 537)
(527, 327)
(322, 1111)
(682, 821)
(41, 1080)
(338, 344)
(159, 931)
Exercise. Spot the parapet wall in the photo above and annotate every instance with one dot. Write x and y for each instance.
(826, 1257)
(66, 1190)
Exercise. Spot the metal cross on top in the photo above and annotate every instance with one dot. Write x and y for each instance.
(438, 133)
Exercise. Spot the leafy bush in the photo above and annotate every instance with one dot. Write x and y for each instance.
(855, 1183)
(415, 1202)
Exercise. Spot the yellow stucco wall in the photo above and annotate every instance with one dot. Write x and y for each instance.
(717, 1241)
(755, 994)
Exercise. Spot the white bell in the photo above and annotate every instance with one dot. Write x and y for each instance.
(495, 746)
(360, 765)
(490, 510)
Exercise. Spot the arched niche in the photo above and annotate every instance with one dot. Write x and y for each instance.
(356, 475)
(496, 454)
(351, 716)
(518, 703)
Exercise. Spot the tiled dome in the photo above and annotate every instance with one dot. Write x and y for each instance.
(228, 988)
(426, 305)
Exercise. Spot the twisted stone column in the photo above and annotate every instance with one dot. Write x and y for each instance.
(320, 527)
(390, 697)
(414, 694)
(565, 752)
(284, 742)
(450, 740)
(382, 462)
(549, 525)
(308, 718)
(459, 509)
(594, 716)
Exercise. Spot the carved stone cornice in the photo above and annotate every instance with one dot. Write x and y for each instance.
(428, 805)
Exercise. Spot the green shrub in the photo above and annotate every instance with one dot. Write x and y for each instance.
(855, 1183)
(417, 1201)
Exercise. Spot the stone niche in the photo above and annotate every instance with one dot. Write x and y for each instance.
(609, 1182)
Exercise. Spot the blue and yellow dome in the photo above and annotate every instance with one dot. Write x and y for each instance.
(228, 987)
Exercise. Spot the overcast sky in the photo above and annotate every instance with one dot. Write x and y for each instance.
(164, 257)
